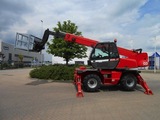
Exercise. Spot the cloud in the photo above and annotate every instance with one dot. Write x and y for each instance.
(131, 22)
(11, 13)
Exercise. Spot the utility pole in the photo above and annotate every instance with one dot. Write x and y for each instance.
(41, 37)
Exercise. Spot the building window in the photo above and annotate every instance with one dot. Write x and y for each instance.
(10, 56)
(5, 47)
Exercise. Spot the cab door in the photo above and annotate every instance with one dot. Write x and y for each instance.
(104, 56)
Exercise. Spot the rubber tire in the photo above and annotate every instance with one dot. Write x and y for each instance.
(128, 82)
(88, 78)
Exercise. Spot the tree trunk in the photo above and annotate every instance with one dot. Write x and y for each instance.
(67, 62)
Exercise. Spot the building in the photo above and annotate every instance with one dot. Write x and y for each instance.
(79, 62)
(154, 61)
(10, 54)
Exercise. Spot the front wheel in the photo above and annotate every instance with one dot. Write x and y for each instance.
(128, 82)
(91, 83)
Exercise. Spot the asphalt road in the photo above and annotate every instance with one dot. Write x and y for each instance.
(23, 98)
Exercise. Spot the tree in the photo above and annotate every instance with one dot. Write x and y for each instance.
(20, 57)
(21, 60)
(68, 50)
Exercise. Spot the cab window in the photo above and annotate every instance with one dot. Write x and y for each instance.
(104, 51)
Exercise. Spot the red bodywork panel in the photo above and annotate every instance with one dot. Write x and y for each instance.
(80, 40)
(126, 63)
(110, 77)
(132, 59)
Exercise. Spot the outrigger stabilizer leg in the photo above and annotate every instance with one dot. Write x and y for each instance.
(78, 84)
(144, 85)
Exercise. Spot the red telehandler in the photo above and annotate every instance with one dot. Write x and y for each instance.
(111, 65)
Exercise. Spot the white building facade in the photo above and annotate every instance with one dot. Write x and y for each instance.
(11, 54)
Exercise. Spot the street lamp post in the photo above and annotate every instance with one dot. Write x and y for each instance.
(41, 28)
(155, 57)
(41, 37)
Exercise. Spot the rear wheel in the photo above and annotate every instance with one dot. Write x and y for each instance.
(91, 83)
(128, 82)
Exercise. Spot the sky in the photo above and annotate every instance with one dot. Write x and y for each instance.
(134, 23)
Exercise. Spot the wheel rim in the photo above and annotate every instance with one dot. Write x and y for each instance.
(92, 83)
(130, 83)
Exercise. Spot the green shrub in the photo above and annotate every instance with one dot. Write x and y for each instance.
(54, 72)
